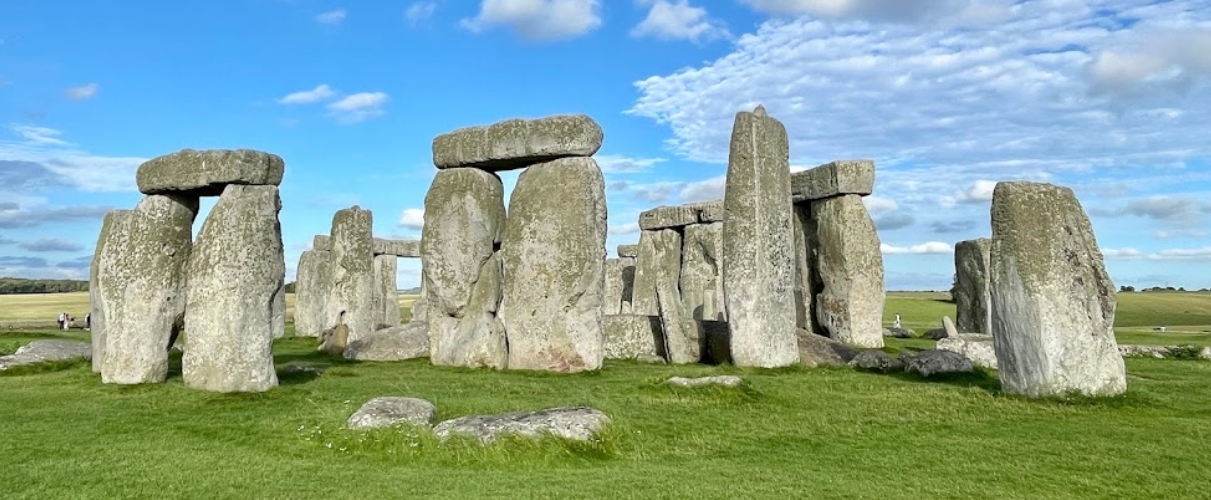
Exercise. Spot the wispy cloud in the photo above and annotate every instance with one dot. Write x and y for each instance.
(51, 245)
(331, 17)
(678, 20)
(321, 92)
(83, 92)
(537, 20)
(929, 247)
(359, 107)
(412, 218)
(419, 12)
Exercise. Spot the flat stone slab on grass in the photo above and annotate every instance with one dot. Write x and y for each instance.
(833, 179)
(723, 380)
(935, 361)
(577, 424)
(391, 344)
(44, 351)
(1162, 352)
(517, 143)
(875, 360)
(389, 411)
(976, 347)
(207, 172)
(818, 350)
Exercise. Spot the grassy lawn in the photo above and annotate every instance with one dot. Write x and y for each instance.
(796, 433)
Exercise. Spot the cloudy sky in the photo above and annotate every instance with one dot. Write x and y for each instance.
(1109, 97)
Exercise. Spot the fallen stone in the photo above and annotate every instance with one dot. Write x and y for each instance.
(934, 361)
(208, 172)
(838, 178)
(311, 292)
(973, 295)
(293, 368)
(818, 350)
(386, 291)
(629, 336)
(398, 248)
(1162, 352)
(949, 327)
(143, 282)
(351, 297)
(899, 333)
(934, 334)
(236, 269)
(849, 264)
(976, 347)
(628, 251)
(391, 344)
(723, 380)
(1053, 303)
(389, 411)
(759, 270)
(518, 143)
(577, 424)
(554, 251)
(44, 351)
(110, 243)
(875, 360)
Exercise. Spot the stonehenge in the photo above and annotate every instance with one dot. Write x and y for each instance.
(972, 296)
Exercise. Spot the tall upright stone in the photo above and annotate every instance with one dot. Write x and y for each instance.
(805, 276)
(849, 265)
(279, 313)
(612, 301)
(464, 224)
(701, 279)
(235, 272)
(973, 297)
(311, 292)
(758, 268)
(386, 290)
(351, 302)
(1053, 303)
(680, 338)
(110, 243)
(554, 254)
(142, 288)
(648, 269)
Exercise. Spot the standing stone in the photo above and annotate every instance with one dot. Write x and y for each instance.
(110, 243)
(647, 270)
(701, 279)
(311, 292)
(465, 220)
(758, 272)
(386, 291)
(628, 284)
(805, 258)
(849, 264)
(628, 251)
(142, 283)
(236, 270)
(554, 251)
(973, 299)
(420, 306)
(1052, 302)
(612, 303)
(630, 336)
(351, 302)
(658, 293)
(279, 312)
(948, 327)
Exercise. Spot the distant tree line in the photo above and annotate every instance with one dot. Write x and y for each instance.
(1158, 289)
(21, 285)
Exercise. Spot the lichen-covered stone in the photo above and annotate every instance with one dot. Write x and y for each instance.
(577, 424)
(937, 361)
(612, 301)
(849, 266)
(1053, 304)
(631, 336)
(972, 296)
(833, 179)
(279, 312)
(518, 143)
(351, 299)
(758, 273)
(391, 344)
(321, 242)
(142, 282)
(311, 292)
(689, 383)
(948, 326)
(701, 278)
(628, 251)
(235, 271)
(976, 347)
(208, 172)
(465, 221)
(389, 411)
(45, 351)
(110, 243)
(805, 263)
(386, 291)
(554, 251)
(397, 248)
(659, 261)
(674, 216)
(818, 350)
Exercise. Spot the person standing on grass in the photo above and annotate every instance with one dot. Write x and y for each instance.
(88, 321)
(897, 320)
(62, 319)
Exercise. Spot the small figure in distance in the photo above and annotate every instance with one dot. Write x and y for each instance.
(897, 325)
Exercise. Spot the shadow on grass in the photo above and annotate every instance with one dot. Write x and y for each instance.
(46, 367)
(980, 378)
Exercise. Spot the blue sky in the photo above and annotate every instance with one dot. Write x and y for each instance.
(1109, 97)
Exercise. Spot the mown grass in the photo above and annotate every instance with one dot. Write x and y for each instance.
(788, 433)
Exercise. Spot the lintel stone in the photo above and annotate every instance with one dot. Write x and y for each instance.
(833, 179)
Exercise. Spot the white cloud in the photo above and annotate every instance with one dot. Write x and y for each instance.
(359, 107)
(41, 136)
(980, 192)
(1203, 253)
(537, 20)
(929, 247)
(83, 93)
(331, 17)
(1153, 59)
(631, 228)
(618, 164)
(878, 205)
(884, 10)
(412, 218)
(1121, 254)
(321, 92)
(704, 190)
(40, 154)
(678, 20)
(420, 11)
(1177, 211)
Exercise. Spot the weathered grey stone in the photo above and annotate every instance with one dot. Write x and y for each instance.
(723, 380)
(611, 302)
(1161, 352)
(935, 361)
(334, 340)
(420, 306)
(236, 268)
(628, 251)
(974, 346)
(849, 266)
(972, 296)
(142, 283)
(208, 172)
(517, 143)
(110, 242)
(391, 344)
(899, 333)
(805, 262)
(465, 216)
(630, 336)
(388, 411)
(875, 360)
(949, 327)
(321, 242)
(710, 211)
(554, 250)
(674, 216)
(43, 351)
(818, 350)
(659, 260)
(577, 424)
(351, 298)
(386, 292)
(759, 271)
(398, 248)
(278, 323)
(934, 334)
(833, 179)
(311, 292)
(701, 279)
(1052, 302)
